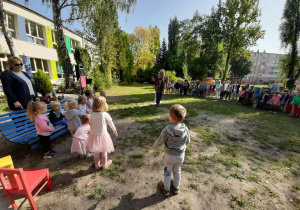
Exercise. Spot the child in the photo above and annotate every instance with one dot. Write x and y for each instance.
(103, 93)
(194, 89)
(242, 95)
(191, 87)
(222, 91)
(99, 140)
(218, 87)
(288, 106)
(174, 137)
(56, 115)
(283, 100)
(72, 115)
(173, 87)
(256, 96)
(296, 103)
(211, 90)
(264, 99)
(82, 100)
(90, 95)
(36, 111)
(275, 102)
(201, 88)
(81, 136)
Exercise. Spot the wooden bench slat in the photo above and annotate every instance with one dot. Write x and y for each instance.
(17, 129)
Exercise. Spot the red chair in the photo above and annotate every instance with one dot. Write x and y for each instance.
(21, 181)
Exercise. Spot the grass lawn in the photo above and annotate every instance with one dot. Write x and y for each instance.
(238, 158)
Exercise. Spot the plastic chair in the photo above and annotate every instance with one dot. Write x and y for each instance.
(24, 182)
(6, 162)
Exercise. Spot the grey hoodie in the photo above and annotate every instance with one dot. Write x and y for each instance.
(175, 139)
(73, 116)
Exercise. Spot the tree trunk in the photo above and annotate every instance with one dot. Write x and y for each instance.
(227, 60)
(294, 47)
(62, 51)
(8, 39)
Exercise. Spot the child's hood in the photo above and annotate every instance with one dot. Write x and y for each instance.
(177, 132)
(70, 114)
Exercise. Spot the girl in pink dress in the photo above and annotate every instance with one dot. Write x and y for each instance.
(99, 140)
(81, 136)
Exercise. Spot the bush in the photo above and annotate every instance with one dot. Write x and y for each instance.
(100, 80)
(42, 83)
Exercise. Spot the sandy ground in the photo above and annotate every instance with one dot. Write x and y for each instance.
(74, 180)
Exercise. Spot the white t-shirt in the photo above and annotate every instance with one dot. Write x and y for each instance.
(28, 81)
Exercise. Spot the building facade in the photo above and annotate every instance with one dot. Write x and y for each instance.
(34, 39)
(265, 68)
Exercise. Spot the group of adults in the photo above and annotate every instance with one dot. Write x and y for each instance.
(17, 85)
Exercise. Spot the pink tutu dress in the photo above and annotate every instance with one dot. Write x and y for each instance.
(80, 138)
(99, 139)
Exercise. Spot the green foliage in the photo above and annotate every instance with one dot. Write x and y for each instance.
(100, 80)
(173, 34)
(42, 82)
(240, 67)
(185, 72)
(172, 75)
(82, 56)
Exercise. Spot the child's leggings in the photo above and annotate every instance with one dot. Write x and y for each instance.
(172, 164)
(104, 158)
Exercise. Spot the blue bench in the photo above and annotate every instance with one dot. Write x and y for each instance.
(18, 129)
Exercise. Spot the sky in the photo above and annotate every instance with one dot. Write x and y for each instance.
(159, 12)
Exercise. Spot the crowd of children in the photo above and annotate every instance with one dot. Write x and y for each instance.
(256, 97)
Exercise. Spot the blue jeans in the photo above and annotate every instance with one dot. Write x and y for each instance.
(158, 97)
(61, 122)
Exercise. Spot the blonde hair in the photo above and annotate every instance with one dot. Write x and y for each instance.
(54, 104)
(162, 73)
(33, 107)
(71, 104)
(99, 104)
(178, 112)
(81, 99)
(11, 61)
(85, 118)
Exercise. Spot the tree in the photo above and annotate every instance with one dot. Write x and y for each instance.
(289, 35)
(162, 55)
(240, 28)
(8, 39)
(240, 67)
(154, 42)
(173, 33)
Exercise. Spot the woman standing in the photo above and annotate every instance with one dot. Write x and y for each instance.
(159, 86)
(17, 85)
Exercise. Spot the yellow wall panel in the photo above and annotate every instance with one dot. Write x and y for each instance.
(54, 70)
(49, 37)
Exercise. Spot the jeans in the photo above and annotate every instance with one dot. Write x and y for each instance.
(218, 93)
(172, 164)
(201, 93)
(222, 94)
(158, 97)
(185, 91)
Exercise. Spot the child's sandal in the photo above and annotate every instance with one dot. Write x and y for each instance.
(109, 162)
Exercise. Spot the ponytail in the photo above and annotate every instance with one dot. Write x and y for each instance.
(32, 107)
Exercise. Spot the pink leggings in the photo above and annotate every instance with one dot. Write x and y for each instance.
(104, 158)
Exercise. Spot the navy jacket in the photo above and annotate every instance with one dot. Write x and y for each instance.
(15, 89)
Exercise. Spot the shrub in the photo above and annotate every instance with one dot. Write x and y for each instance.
(42, 83)
(100, 80)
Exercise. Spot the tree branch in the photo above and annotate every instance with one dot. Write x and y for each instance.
(72, 19)
(69, 5)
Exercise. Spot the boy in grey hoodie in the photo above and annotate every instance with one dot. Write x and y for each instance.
(174, 137)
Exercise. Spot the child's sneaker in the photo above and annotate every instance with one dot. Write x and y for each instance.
(90, 154)
(49, 155)
(162, 187)
(54, 151)
(109, 162)
(175, 189)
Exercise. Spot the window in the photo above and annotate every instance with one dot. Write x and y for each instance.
(74, 44)
(11, 26)
(39, 64)
(34, 33)
(60, 71)
(54, 39)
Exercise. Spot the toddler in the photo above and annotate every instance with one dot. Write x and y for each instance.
(90, 94)
(275, 102)
(99, 140)
(211, 90)
(288, 106)
(103, 93)
(296, 103)
(256, 96)
(174, 137)
(79, 144)
(72, 115)
(56, 115)
(36, 111)
(82, 100)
